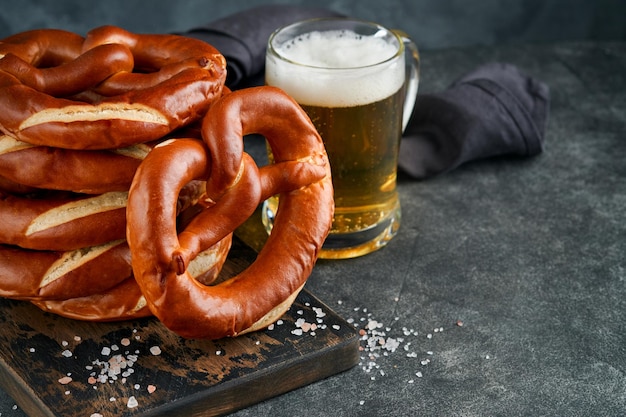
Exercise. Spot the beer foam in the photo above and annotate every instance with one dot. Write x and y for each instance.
(336, 69)
(336, 49)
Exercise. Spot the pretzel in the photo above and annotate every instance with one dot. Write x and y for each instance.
(65, 221)
(184, 76)
(43, 47)
(12, 187)
(266, 289)
(48, 275)
(91, 172)
(34, 274)
(83, 70)
(124, 300)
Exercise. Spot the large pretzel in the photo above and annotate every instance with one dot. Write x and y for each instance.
(301, 174)
(170, 82)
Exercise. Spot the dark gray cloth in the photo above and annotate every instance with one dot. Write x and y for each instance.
(242, 38)
(492, 111)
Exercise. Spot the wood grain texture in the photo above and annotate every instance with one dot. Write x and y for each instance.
(140, 368)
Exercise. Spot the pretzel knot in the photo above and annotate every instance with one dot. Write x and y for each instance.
(301, 175)
(123, 88)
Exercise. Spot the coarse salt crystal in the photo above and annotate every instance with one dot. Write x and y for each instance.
(319, 312)
(132, 402)
(373, 324)
(151, 388)
(65, 380)
(155, 350)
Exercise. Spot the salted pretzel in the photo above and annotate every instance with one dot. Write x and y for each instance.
(301, 175)
(173, 81)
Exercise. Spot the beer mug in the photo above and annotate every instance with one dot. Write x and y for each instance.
(358, 82)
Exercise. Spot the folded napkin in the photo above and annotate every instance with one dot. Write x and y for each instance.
(494, 110)
(242, 38)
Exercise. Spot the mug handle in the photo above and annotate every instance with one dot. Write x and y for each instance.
(412, 59)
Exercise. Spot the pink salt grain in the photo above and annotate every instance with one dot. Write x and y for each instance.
(65, 380)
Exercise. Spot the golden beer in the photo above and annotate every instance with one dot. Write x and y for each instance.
(363, 159)
(352, 86)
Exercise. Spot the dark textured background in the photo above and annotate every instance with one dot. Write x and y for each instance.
(432, 23)
(530, 254)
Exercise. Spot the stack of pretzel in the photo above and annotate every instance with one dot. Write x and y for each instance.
(123, 176)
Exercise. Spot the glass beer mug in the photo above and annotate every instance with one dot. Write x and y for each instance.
(358, 83)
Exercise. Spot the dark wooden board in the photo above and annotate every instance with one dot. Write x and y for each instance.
(187, 377)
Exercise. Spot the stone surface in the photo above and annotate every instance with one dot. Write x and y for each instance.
(504, 289)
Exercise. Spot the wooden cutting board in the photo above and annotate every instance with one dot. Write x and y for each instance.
(54, 366)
